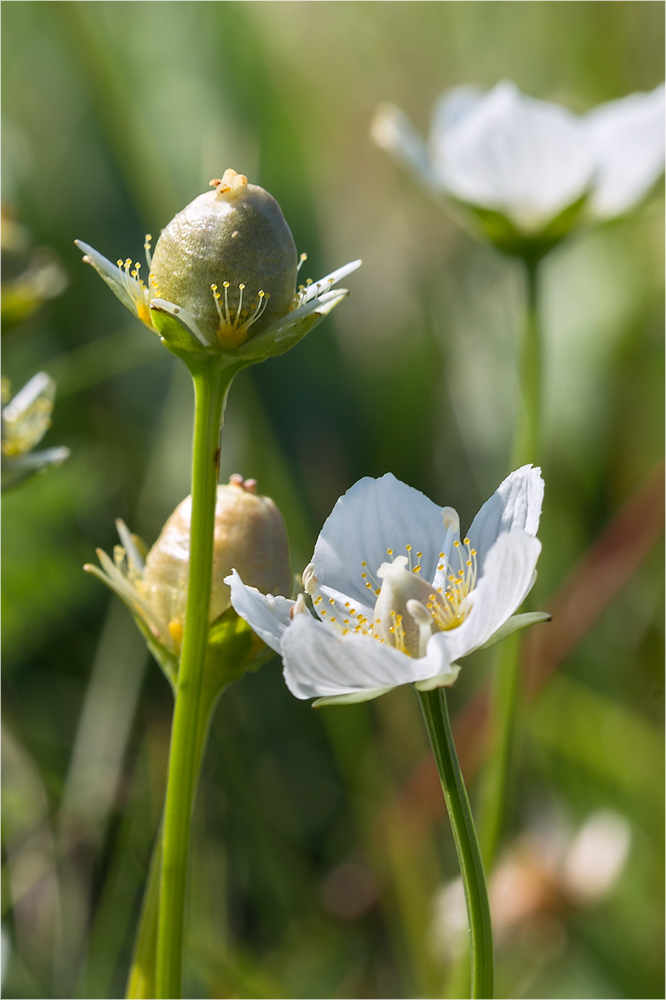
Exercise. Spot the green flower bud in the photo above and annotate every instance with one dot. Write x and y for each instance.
(229, 259)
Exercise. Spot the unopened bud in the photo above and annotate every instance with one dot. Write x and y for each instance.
(250, 536)
(229, 259)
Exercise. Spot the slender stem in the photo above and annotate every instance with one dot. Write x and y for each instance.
(211, 383)
(496, 784)
(527, 434)
(141, 983)
(435, 713)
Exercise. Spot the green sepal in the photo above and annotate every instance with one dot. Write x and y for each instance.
(354, 698)
(501, 231)
(446, 679)
(233, 650)
(175, 334)
(515, 624)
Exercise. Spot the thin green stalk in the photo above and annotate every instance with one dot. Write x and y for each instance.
(435, 713)
(505, 702)
(527, 434)
(142, 983)
(211, 383)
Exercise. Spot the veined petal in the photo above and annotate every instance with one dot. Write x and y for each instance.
(508, 576)
(392, 130)
(376, 515)
(516, 503)
(628, 142)
(320, 662)
(267, 615)
(525, 158)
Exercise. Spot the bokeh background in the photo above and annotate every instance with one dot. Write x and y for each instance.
(321, 851)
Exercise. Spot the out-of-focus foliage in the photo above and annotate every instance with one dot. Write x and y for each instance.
(320, 845)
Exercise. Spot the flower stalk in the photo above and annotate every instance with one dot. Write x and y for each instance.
(496, 786)
(212, 378)
(142, 979)
(436, 716)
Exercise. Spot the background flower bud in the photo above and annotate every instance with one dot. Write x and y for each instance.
(250, 536)
(229, 259)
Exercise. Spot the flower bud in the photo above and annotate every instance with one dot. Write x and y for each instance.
(229, 260)
(250, 536)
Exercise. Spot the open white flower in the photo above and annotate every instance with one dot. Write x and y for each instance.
(397, 596)
(529, 169)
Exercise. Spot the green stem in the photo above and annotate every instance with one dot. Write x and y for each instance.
(496, 784)
(527, 435)
(435, 713)
(211, 383)
(141, 983)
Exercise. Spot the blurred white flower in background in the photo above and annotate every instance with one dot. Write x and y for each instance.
(529, 170)
(25, 420)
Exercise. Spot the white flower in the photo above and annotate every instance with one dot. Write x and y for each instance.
(397, 596)
(531, 165)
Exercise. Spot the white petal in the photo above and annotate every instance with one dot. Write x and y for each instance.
(516, 503)
(321, 306)
(112, 275)
(40, 386)
(628, 140)
(129, 544)
(449, 111)
(508, 577)
(526, 158)
(373, 516)
(392, 130)
(320, 662)
(317, 288)
(267, 615)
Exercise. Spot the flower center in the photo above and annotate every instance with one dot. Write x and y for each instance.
(407, 609)
(234, 325)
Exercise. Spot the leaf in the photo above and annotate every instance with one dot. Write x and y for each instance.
(515, 624)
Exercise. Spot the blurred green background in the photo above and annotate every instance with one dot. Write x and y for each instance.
(321, 847)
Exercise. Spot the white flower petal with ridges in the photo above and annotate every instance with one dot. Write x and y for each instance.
(516, 503)
(508, 577)
(269, 616)
(377, 518)
(319, 662)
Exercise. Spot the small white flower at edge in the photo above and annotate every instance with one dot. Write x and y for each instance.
(530, 160)
(396, 595)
